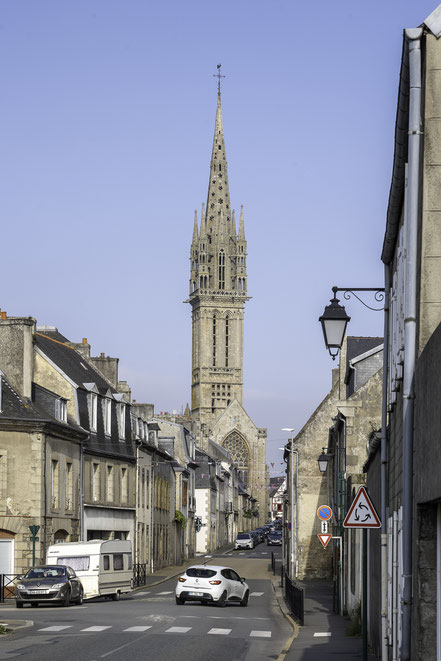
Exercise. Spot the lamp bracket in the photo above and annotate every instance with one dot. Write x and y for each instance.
(350, 291)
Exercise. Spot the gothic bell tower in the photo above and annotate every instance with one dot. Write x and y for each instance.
(218, 291)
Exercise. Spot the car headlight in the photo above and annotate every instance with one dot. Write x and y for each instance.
(57, 586)
(20, 586)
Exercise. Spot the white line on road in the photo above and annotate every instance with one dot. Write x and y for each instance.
(261, 634)
(56, 628)
(256, 594)
(138, 594)
(322, 633)
(167, 592)
(220, 632)
(96, 628)
(178, 630)
(137, 629)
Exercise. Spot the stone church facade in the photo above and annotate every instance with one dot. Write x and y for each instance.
(218, 292)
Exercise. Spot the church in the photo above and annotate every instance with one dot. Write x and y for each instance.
(218, 293)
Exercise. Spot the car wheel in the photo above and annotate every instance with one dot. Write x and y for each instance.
(34, 605)
(79, 601)
(222, 601)
(66, 601)
(18, 604)
(244, 601)
(116, 596)
(179, 601)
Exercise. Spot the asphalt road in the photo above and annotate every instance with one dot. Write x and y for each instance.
(149, 625)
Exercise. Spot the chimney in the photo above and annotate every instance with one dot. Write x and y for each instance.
(102, 355)
(17, 352)
(124, 388)
(82, 347)
(108, 367)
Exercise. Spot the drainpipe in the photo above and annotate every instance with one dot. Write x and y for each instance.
(413, 37)
(384, 641)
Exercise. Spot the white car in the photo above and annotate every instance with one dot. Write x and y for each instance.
(211, 584)
(244, 540)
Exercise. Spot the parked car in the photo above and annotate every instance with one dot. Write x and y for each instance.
(274, 539)
(255, 535)
(49, 583)
(211, 584)
(244, 540)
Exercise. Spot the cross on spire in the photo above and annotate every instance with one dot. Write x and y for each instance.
(218, 75)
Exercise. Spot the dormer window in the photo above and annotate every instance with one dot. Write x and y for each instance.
(121, 411)
(61, 409)
(107, 414)
(92, 401)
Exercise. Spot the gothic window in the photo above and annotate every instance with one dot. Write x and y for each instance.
(221, 265)
(220, 147)
(238, 448)
(214, 341)
(227, 338)
(220, 167)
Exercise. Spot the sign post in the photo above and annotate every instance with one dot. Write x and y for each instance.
(34, 538)
(362, 514)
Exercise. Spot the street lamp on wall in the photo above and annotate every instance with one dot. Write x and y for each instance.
(334, 318)
(323, 460)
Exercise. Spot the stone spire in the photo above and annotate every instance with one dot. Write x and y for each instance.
(203, 221)
(233, 223)
(241, 235)
(195, 228)
(218, 191)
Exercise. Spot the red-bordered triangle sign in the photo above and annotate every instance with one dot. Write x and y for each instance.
(362, 513)
(325, 539)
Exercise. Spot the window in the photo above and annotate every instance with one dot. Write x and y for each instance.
(214, 341)
(61, 409)
(92, 402)
(221, 269)
(95, 482)
(238, 448)
(55, 482)
(118, 561)
(226, 340)
(110, 484)
(107, 408)
(184, 493)
(79, 562)
(124, 485)
(122, 421)
(106, 562)
(69, 486)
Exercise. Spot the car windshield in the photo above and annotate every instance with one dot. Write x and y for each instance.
(46, 572)
(243, 536)
(199, 572)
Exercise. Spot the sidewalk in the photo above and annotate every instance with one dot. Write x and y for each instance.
(324, 634)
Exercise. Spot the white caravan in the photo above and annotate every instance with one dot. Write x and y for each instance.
(104, 567)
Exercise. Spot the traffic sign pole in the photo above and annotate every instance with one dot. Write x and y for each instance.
(365, 600)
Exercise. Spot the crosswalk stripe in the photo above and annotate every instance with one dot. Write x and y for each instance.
(137, 629)
(56, 628)
(321, 633)
(178, 630)
(256, 594)
(139, 594)
(220, 632)
(261, 634)
(96, 628)
(167, 592)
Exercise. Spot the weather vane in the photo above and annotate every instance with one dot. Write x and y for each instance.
(218, 75)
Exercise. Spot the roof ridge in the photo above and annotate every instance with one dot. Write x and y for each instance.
(63, 344)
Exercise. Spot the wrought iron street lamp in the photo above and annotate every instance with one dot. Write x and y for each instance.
(334, 318)
(323, 460)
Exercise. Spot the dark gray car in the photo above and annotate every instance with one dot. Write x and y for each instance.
(53, 583)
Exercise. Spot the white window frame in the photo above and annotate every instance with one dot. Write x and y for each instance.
(121, 420)
(93, 410)
(107, 416)
(69, 491)
(61, 409)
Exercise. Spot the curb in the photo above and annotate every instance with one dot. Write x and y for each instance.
(295, 627)
(15, 627)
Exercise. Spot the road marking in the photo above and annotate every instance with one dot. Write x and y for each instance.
(261, 634)
(178, 630)
(56, 628)
(96, 628)
(322, 633)
(208, 556)
(138, 594)
(168, 592)
(256, 594)
(220, 632)
(241, 553)
(137, 628)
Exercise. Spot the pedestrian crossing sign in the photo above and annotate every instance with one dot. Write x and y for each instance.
(362, 513)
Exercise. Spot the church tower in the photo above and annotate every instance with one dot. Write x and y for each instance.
(218, 291)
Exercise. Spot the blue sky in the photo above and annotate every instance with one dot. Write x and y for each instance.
(106, 126)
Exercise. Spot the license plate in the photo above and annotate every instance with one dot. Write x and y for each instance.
(37, 591)
(195, 594)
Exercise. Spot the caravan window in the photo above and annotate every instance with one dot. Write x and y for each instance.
(129, 561)
(78, 562)
(106, 562)
(118, 561)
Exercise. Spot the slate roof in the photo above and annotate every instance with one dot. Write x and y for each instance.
(356, 346)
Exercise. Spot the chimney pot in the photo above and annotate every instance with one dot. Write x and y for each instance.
(4, 315)
(102, 355)
(84, 340)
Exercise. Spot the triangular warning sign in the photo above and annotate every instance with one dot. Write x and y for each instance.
(362, 513)
(325, 539)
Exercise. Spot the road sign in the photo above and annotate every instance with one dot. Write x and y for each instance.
(362, 513)
(325, 539)
(324, 527)
(324, 512)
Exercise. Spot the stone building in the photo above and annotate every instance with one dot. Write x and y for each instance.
(218, 292)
